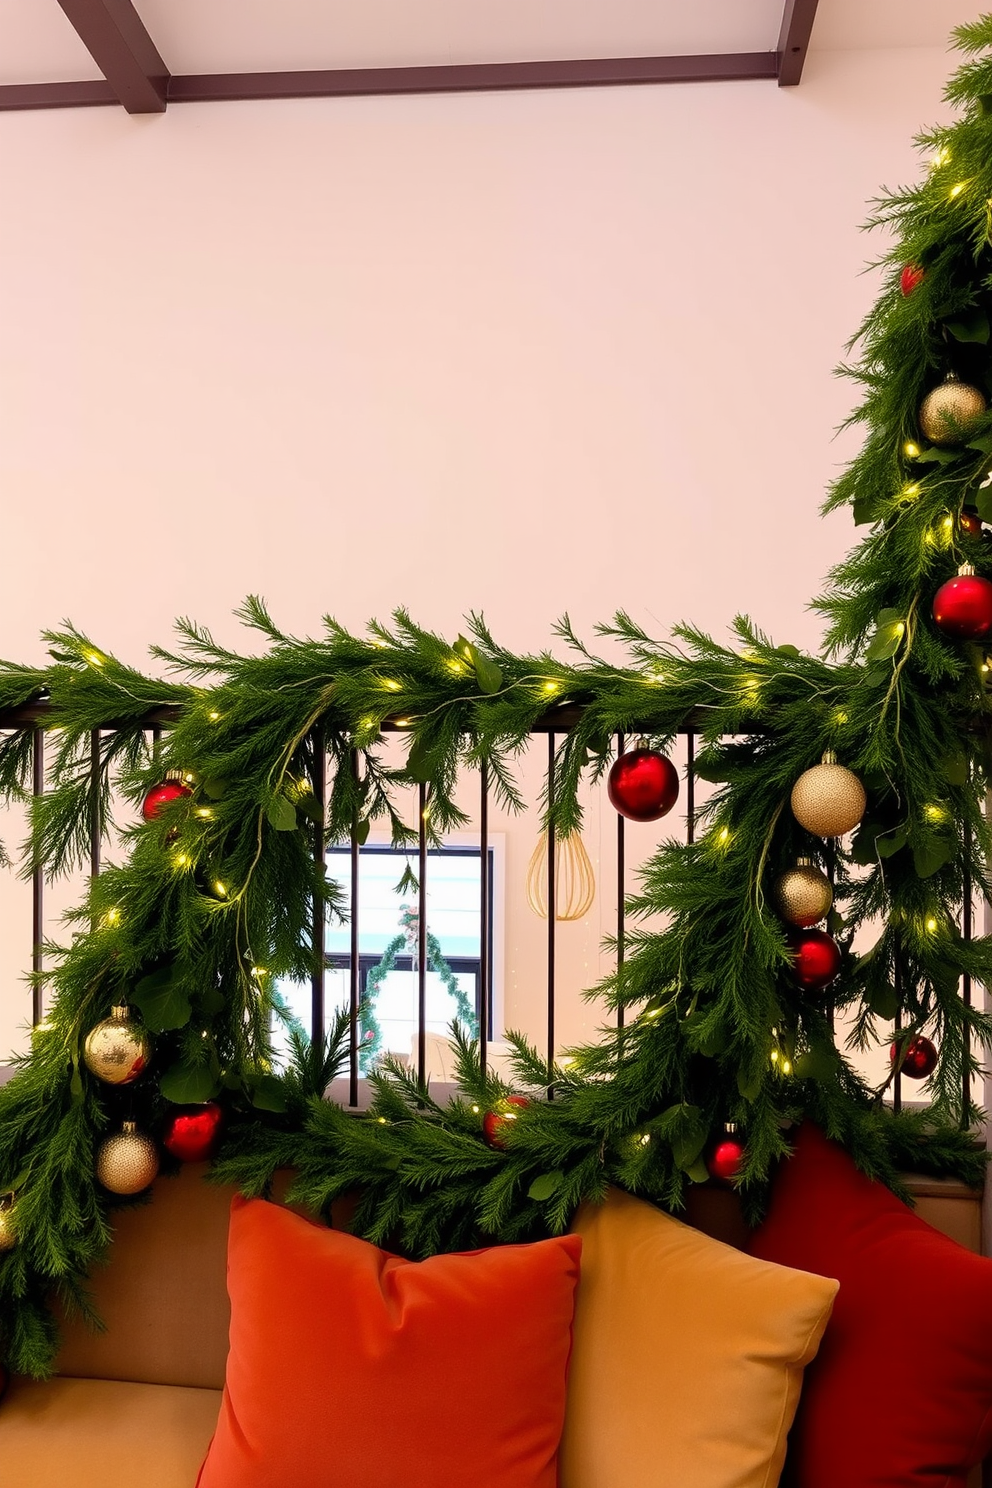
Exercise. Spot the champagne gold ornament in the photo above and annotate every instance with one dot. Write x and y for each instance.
(128, 1162)
(829, 799)
(575, 882)
(117, 1050)
(950, 410)
(8, 1238)
(803, 894)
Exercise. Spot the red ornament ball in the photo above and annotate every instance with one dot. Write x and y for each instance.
(815, 958)
(911, 276)
(191, 1132)
(162, 795)
(920, 1058)
(643, 785)
(725, 1161)
(494, 1122)
(970, 524)
(962, 608)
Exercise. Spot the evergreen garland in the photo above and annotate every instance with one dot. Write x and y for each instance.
(216, 897)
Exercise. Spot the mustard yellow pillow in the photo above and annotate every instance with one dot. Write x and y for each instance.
(687, 1355)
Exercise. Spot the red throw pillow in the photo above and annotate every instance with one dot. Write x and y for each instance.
(901, 1389)
(352, 1368)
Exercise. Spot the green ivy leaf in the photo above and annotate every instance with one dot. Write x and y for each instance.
(687, 1147)
(189, 1084)
(308, 805)
(268, 1094)
(954, 768)
(698, 1172)
(214, 788)
(930, 856)
(162, 1000)
(883, 1000)
(863, 508)
(362, 829)
(973, 326)
(281, 814)
(818, 1063)
(884, 643)
(749, 1085)
(543, 1187)
(488, 674)
(983, 503)
(935, 456)
(420, 762)
(792, 651)
(892, 842)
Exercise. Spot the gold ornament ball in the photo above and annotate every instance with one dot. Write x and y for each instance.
(829, 799)
(803, 895)
(8, 1238)
(127, 1162)
(117, 1050)
(947, 413)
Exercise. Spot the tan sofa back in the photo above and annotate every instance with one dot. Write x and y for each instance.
(163, 1294)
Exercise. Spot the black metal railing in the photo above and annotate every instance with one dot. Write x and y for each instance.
(36, 718)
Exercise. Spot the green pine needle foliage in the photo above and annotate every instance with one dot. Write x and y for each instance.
(225, 891)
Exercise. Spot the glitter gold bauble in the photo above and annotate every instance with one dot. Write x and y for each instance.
(117, 1050)
(803, 894)
(8, 1238)
(949, 411)
(829, 799)
(127, 1163)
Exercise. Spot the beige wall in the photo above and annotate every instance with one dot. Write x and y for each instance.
(520, 353)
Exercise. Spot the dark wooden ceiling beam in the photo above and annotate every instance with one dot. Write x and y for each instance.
(472, 77)
(793, 40)
(354, 82)
(115, 36)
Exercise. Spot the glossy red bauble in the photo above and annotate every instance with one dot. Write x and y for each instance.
(162, 795)
(643, 785)
(962, 608)
(191, 1132)
(911, 276)
(815, 958)
(920, 1058)
(724, 1162)
(970, 524)
(494, 1122)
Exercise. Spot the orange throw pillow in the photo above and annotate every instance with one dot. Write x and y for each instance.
(353, 1368)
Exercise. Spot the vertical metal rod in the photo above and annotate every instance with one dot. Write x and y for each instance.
(422, 936)
(318, 975)
(621, 916)
(552, 910)
(95, 807)
(354, 964)
(156, 741)
(485, 990)
(966, 989)
(897, 1029)
(830, 850)
(37, 881)
(690, 787)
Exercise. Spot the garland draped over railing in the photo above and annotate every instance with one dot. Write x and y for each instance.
(213, 900)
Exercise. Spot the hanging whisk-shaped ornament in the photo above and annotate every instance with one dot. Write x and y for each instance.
(575, 882)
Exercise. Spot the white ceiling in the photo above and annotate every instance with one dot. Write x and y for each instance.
(37, 44)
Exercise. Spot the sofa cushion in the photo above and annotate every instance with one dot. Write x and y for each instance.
(688, 1356)
(81, 1433)
(353, 1368)
(902, 1389)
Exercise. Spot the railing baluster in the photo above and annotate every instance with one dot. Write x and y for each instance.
(966, 988)
(37, 882)
(319, 974)
(690, 787)
(354, 968)
(621, 897)
(552, 910)
(422, 937)
(485, 989)
(95, 824)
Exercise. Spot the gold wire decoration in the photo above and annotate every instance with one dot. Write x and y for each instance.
(575, 882)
